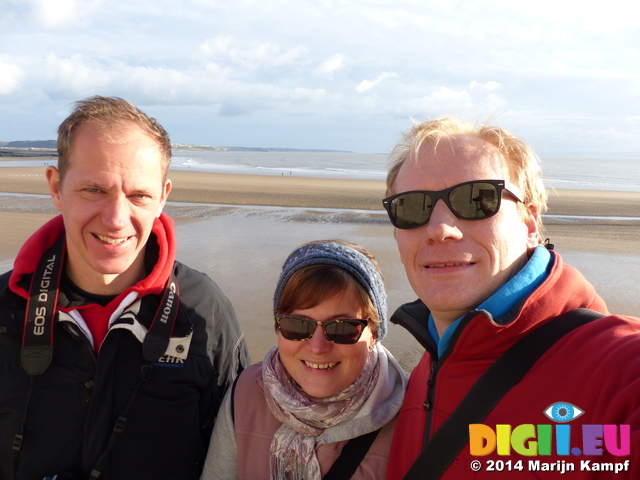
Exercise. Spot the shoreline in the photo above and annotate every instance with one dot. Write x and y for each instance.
(238, 229)
(585, 220)
(318, 192)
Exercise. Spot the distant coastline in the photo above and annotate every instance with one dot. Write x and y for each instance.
(28, 152)
(208, 148)
(40, 148)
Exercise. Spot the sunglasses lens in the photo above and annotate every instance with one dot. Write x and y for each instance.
(470, 201)
(343, 331)
(337, 331)
(294, 328)
(474, 200)
(410, 210)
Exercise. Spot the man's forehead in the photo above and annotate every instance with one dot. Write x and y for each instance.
(451, 161)
(459, 148)
(115, 132)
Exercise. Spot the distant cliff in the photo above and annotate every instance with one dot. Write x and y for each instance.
(51, 144)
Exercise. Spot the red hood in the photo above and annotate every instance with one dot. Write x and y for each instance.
(33, 249)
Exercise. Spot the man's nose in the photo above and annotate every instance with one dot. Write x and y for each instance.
(116, 211)
(442, 224)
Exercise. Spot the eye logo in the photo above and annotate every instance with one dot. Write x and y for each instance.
(562, 412)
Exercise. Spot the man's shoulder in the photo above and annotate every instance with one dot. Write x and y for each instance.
(619, 327)
(8, 299)
(609, 340)
(4, 279)
(195, 284)
(205, 304)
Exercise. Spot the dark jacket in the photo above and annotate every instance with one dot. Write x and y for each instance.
(70, 411)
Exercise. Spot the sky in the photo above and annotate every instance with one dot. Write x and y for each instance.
(347, 75)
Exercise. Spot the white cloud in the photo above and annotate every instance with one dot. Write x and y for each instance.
(332, 64)
(366, 85)
(616, 134)
(77, 77)
(332, 61)
(225, 48)
(492, 86)
(214, 47)
(62, 13)
(475, 101)
(11, 76)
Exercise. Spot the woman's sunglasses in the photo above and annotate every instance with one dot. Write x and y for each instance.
(474, 200)
(345, 331)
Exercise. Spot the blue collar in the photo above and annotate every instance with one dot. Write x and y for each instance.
(505, 297)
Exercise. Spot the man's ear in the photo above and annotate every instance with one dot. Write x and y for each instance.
(165, 194)
(53, 179)
(531, 217)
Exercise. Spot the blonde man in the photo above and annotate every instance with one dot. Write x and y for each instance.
(466, 202)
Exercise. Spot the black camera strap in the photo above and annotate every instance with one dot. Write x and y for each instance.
(157, 339)
(37, 341)
(351, 457)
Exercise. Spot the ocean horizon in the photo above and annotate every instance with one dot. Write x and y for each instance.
(574, 172)
(562, 172)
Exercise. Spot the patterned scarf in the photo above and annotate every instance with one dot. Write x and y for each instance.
(304, 418)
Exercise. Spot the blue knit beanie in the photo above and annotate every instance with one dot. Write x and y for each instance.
(329, 252)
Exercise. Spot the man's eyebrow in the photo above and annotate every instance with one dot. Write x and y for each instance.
(92, 184)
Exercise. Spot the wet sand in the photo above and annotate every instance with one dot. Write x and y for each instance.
(239, 229)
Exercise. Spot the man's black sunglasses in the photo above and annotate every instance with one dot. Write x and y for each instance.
(345, 331)
(473, 200)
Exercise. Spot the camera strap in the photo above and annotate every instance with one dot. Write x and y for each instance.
(37, 341)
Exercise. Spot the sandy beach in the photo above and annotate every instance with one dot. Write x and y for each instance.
(239, 229)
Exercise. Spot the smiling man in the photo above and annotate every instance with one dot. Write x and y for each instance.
(115, 357)
(466, 202)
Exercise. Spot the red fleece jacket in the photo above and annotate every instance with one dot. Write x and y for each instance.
(595, 368)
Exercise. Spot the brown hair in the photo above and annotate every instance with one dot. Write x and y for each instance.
(109, 112)
(522, 163)
(311, 285)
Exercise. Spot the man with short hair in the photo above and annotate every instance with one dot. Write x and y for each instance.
(467, 203)
(114, 356)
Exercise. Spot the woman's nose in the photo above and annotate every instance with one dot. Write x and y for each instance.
(318, 342)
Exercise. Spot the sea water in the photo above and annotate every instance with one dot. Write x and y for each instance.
(587, 173)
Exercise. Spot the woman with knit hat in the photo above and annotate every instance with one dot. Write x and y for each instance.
(322, 404)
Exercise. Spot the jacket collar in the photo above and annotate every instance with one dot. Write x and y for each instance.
(480, 335)
(33, 249)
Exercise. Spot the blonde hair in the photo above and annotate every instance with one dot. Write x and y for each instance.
(523, 164)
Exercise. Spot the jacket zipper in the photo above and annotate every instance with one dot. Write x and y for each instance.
(428, 403)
